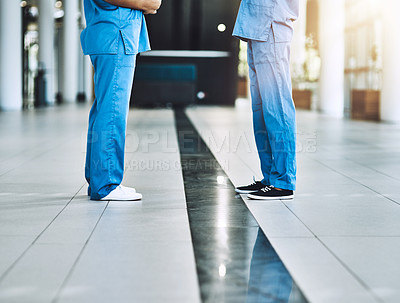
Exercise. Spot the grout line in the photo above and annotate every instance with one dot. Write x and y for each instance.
(8, 270)
(356, 181)
(355, 276)
(358, 236)
(351, 272)
(241, 159)
(37, 155)
(69, 274)
(373, 169)
(361, 164)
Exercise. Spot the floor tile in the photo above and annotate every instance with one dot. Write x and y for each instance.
(373, 259)
(349, 216)
(320, 276)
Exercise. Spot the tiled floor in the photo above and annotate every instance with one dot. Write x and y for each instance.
(58, 246)
(339, 238)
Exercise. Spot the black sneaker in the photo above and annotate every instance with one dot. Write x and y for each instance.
(248, 189)
(271, 193)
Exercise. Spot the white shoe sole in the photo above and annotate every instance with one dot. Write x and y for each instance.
(131, 189)
(136, 197)
(245, 192)
(254, 197)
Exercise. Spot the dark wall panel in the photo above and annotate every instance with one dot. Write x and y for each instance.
(215, 13)
(192, 25)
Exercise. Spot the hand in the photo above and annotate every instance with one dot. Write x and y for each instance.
(151, 6)
(147, 6)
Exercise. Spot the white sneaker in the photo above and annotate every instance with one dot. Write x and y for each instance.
(122, 193)
(128, 188)
(123, 187)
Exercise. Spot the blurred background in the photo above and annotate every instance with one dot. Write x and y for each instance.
(345, 56)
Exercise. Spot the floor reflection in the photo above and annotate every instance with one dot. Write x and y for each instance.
(235, 262)
(269, 281)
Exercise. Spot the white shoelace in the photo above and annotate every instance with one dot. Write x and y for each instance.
(265, 189)
(254, 181)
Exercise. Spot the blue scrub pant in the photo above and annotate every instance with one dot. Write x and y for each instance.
(274, 113)
(113, 78)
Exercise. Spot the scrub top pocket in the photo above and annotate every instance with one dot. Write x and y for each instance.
(282, 32)
(256, 19)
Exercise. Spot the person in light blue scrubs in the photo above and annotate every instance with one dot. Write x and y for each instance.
(266, 26)
(115, 33)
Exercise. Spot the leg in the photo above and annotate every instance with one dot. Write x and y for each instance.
(272, 70)
(108, 119)
(260, 131)
(90, 138)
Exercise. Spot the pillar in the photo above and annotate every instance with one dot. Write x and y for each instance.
(10, 55)
(46, 45)
(71, 51)
(331, 44)
(390, 96)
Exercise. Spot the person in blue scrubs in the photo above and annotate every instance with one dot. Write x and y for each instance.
(115, 33)
(266, 26)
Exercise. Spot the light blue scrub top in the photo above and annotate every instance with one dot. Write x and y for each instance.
(256, 18)
(105, 23)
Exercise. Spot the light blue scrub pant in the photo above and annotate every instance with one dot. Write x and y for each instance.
(269, 280)
(274, 113)
(113, 78)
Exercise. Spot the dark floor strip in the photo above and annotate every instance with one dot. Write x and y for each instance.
(235, 262)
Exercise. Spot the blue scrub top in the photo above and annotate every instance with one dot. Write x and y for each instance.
(256, 18)
(105, 23)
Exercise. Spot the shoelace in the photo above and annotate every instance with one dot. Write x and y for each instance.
(254, 181)
(265, 189)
